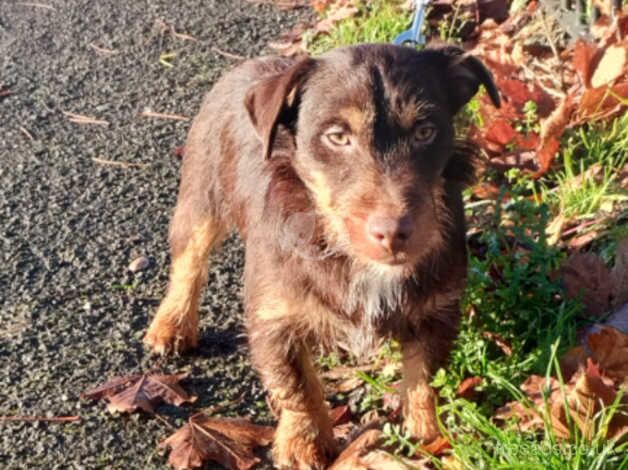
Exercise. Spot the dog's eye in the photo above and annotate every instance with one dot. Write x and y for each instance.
(425, 133)
(338, 138)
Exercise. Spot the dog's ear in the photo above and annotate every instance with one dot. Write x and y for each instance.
(268, 99)
(463, 76)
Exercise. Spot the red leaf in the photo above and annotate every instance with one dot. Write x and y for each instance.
(583, 60)
(466, 389)
(229, 442)
(127, 394)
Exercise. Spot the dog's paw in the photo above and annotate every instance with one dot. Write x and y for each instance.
(303, 441)
(422, 423)
(165, 336)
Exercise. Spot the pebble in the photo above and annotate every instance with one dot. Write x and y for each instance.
(139, 264)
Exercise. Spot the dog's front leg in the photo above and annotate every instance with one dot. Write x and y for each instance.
(304, 438)
(425, 348)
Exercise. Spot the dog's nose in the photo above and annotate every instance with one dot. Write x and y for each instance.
(391, 233)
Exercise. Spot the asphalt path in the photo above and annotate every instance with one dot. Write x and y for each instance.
(71, 220)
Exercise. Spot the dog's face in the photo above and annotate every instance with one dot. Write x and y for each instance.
(373, 131)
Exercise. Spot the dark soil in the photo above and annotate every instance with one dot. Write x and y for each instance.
(71, 316)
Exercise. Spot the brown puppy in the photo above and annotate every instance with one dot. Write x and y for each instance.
(343, 177)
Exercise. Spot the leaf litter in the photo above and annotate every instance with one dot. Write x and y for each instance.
(130, 393)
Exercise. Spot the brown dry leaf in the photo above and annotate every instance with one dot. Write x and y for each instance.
(611, 66)
(229, 442)
(348, 385)
(619, 274)
(290, 43)
(340, 415)
(528, 417)
(584, 56)
(545, 155)
(495, 9)
(522, 159)
(485, 190)
(467, 388)
(586, 275)
(144, 391)
(572, 360)
(601, 103)
(586, 394)
(349, 459)
(382, 460)
(499, 341)
(609, 349)
(437, 447)
(334, 16)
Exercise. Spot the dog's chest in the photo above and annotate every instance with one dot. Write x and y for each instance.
(364, 308)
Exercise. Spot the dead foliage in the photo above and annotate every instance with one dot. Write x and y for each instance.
(129, 393)
(573, 408)
(585, 276)
(227, 441)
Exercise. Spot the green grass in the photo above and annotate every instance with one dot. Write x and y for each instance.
(577, 191)
(512, 292)
(377, 21)
(479, 443)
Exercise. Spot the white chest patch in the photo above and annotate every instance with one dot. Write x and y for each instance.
(376, 291)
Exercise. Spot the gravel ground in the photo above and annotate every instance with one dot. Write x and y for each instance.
(71, 315)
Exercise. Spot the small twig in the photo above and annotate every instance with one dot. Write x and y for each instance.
(163, 420)
(102, 161)
(36, 5)
(52, 419)
(581, 226)
(185, 37)
(229, 55)
(175, 117)
(26, 133)
(102, 50)
(82, 119)
(5, 92)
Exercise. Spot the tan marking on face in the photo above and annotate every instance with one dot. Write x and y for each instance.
(356, 118)
(318, 186)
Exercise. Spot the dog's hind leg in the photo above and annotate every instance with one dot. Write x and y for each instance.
(194, 231)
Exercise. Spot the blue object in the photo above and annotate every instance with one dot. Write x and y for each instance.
(414, 35)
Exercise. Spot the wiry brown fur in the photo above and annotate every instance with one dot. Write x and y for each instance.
(256, 159)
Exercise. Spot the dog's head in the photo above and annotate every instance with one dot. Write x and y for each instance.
(374, 136)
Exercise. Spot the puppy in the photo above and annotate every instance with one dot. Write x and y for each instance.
(343, 177)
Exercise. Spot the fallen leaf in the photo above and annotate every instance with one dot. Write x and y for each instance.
(619, 274)
(572, 360)
(334, 16)
(585, 276)
(382, 460)
(494, 9)
(467, 388)
(228, 441)
(601, 103)
(349, 459)
(609, 350)
(499, 341)
(144, 391)
(525, 160)
(611, 66)
(437, 447)
(348, 385)
(545, 155)
(584, 55)
(585, 395)
(340, 415)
